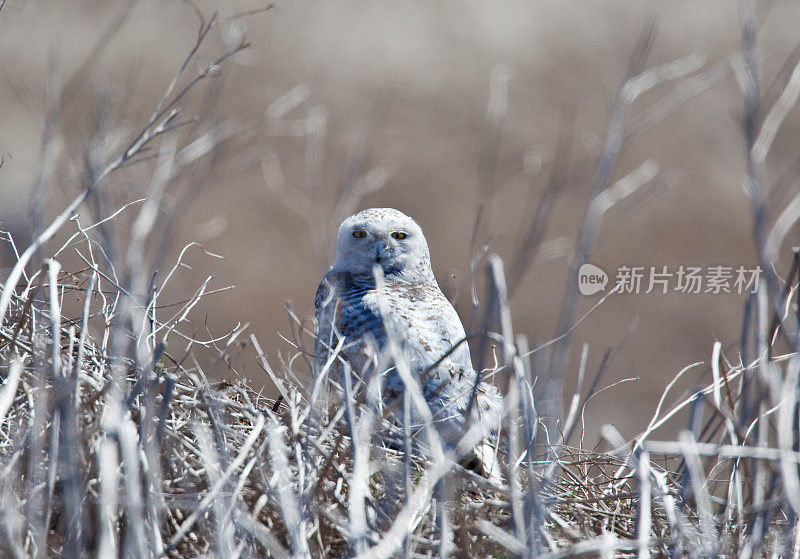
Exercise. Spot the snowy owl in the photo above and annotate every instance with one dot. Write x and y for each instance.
(410, 305)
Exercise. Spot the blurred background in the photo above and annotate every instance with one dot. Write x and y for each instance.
(341, 106)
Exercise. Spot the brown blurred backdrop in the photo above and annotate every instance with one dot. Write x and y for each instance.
(403, 87)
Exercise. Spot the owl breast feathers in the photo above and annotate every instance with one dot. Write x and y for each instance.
(408, 305)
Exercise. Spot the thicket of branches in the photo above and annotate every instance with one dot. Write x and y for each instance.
(114, 440)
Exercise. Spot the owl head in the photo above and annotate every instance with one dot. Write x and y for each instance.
(387, 238)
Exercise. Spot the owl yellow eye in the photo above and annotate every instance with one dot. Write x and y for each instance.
(399, 235)
(359, 234)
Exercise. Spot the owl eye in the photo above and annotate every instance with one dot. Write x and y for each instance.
(359, 234)
(399, 235)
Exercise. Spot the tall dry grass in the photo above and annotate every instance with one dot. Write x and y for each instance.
(115, 440)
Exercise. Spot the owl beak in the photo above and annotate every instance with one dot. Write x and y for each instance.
(381, 251)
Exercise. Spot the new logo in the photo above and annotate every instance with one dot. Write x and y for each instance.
(591, 279)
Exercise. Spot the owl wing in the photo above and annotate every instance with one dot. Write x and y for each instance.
(450, 384)
(434, 330)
